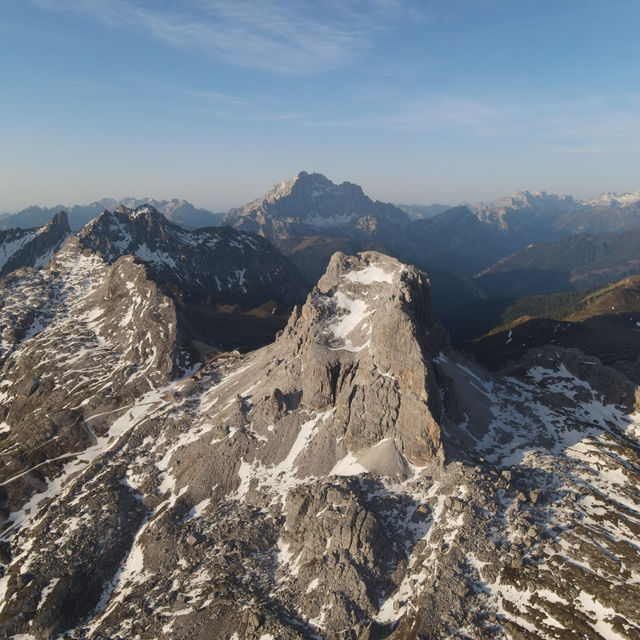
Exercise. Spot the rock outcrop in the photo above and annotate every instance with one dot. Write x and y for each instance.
(365, 341)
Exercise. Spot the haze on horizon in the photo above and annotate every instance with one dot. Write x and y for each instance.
(215, 100)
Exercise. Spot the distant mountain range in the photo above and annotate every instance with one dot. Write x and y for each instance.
(464, 239)
(524, 244)
(178, 211)
(309, 218)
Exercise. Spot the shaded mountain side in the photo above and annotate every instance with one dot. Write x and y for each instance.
(11, 240)
(451, 291)
(457, 241)
(614, 340)
(33, 247)
(601, 220)
(576, 262)
(312, 254)
(603, 322)
(222, 327)
(212, 265)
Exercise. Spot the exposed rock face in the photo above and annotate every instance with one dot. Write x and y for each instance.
(301, 490)
(32, 247)
(365, 340)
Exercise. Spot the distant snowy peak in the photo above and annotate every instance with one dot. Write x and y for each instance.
(541, 201)
(610, 199)
(537, 200)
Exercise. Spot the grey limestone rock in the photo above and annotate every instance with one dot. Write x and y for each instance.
(366, 339)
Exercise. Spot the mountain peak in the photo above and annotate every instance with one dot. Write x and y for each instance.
(367, 332)
(610, 199)
(59, 223)
(32, 247)
(140, 210)
(299, 183)
(310, 204)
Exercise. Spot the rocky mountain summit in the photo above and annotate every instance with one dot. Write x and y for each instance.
(355, 479)
(310, 204)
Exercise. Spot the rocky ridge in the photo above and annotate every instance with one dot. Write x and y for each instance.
(393, 490)
(218, 263)
(178, 211)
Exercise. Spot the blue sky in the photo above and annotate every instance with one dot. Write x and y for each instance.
(215, 100)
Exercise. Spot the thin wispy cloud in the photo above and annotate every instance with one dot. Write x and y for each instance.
(267, 34)
(592, 125)
(441, 113)
(433, 113)
(215, 98)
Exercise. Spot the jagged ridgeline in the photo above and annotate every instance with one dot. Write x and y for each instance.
(356, 478)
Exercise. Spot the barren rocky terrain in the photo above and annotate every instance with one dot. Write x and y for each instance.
(357, 478)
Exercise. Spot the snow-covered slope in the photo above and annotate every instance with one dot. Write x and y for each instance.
(610, 199)
(301, 491)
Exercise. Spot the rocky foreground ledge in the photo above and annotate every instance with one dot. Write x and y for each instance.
(355, 479)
